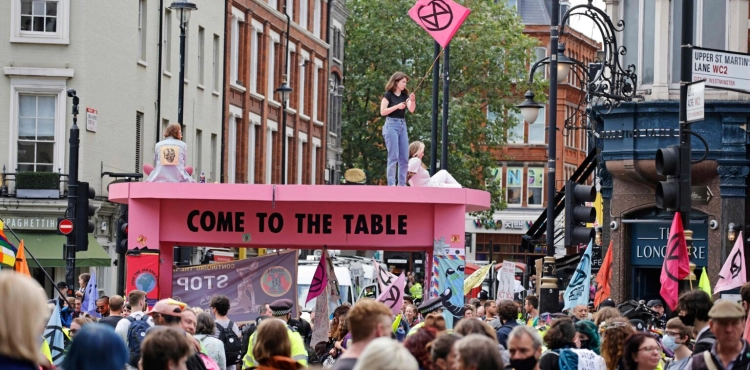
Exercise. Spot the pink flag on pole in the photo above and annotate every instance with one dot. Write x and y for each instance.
(676, 263)
(733, 273)
(319, 281)
(440, 18)
(385, 278)
(393, 295)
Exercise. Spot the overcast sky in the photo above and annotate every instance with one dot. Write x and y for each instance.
(585, 25)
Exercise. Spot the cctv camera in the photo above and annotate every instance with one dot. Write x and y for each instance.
(614, 225)
(713, 224)
(71, 93)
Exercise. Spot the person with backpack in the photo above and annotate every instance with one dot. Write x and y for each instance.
(132, 329)
(562, 353)
(227, 331)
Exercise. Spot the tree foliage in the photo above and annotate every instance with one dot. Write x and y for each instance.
(488, 55)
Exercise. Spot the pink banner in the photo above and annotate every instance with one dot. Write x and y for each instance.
(732, 274)
(440, 18)
(393, 295)
(676, 264)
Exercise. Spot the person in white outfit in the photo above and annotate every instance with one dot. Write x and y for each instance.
(418, 175)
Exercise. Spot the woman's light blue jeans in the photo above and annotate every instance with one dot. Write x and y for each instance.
(397, 142)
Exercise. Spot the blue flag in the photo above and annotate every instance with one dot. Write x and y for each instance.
(578, 288)
(53, 334)
(89, 297)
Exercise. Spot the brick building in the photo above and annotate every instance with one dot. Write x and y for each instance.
(522, 162)
(255, 44)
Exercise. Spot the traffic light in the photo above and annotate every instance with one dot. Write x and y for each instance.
(84, 210)
(577, 214)
(668, 164)
(122, 231)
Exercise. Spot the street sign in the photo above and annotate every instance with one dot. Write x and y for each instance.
(722, 69)
(695, 101)
(700, 195)
(92, 116)
(65, 226)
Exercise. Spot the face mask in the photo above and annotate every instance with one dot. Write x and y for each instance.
(670, 343)
(524, 363)
(687, 320)
(586, 344)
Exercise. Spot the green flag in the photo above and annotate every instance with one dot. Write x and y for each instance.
(704, 284)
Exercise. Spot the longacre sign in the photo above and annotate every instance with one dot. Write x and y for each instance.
(721, 69)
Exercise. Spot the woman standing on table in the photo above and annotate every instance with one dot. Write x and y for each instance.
(393, 107)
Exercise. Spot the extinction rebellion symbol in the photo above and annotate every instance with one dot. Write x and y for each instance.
(436, 16)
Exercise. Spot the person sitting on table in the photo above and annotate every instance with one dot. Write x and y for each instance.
(169, 157)
(418, 175)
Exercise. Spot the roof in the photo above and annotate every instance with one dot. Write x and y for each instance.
(533, 12)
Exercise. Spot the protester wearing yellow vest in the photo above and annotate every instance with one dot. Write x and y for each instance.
(281, 310)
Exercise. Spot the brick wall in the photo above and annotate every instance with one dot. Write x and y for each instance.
(258, 103)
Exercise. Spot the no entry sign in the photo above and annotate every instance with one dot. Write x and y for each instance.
(65, 226)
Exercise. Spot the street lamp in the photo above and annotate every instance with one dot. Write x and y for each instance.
(610, 86)
(182, 9)
(284, 90)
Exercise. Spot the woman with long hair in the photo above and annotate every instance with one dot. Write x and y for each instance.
(96, 339)
(273, 349)
(604, 314)
(614, 333)
(170, 157)
(22, 322)
(587, 336)
(641, 352)
(417, 344)
(393, 106)
(418, 175)
(165, 348)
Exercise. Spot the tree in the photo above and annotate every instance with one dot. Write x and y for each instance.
(489, 54)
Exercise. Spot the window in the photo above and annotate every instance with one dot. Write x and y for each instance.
(232, 150)
(514, 187)
(36, 132)
(212, 175)
(314, 161)
(301, 148)
(303, 4)
(337, 44)
(537, 129)
(187, 43)
(201, 50)
(709, 29)
(198, 162)
(517, 132)
(271, 66)
(138, 141)
(273, 4)
(235, 55)
(302, 86)
(272, 127)
(536, 186)
(142, 40)
(316, 18)
(314, 109)
(167, 41)
(289, 134)
(164, 124)
(217, 63)
(254, 134)
(40, 21)
(289, 8)
(254, 39)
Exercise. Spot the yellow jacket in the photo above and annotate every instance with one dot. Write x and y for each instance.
(299, 352)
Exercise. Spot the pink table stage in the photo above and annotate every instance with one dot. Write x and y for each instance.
(163, 215)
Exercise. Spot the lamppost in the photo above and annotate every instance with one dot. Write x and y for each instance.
(608, 84)
(182, 9)
(284, 90)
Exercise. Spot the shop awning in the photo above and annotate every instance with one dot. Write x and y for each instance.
(48, 249)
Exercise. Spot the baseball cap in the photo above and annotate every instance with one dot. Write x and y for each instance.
(654, 303)
(168, 307)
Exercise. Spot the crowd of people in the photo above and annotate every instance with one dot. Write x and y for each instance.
(493, 334)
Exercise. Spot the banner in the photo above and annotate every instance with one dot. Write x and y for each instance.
(448, 283)
(732, 274)
(676, 263)
(142, 271)
(54, 336)
(475, 279)
(393, 295)
(385, 278)
(247, 283)
(506, 281)
(578, 289)
(90, 296)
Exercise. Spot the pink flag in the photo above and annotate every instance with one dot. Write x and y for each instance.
(319, 281)
(440, 18)
(733, 273)
(393, 295)
(384, 277)
(676, 263)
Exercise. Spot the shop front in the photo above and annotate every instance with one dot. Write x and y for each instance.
(648, 241)
(500, 239)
